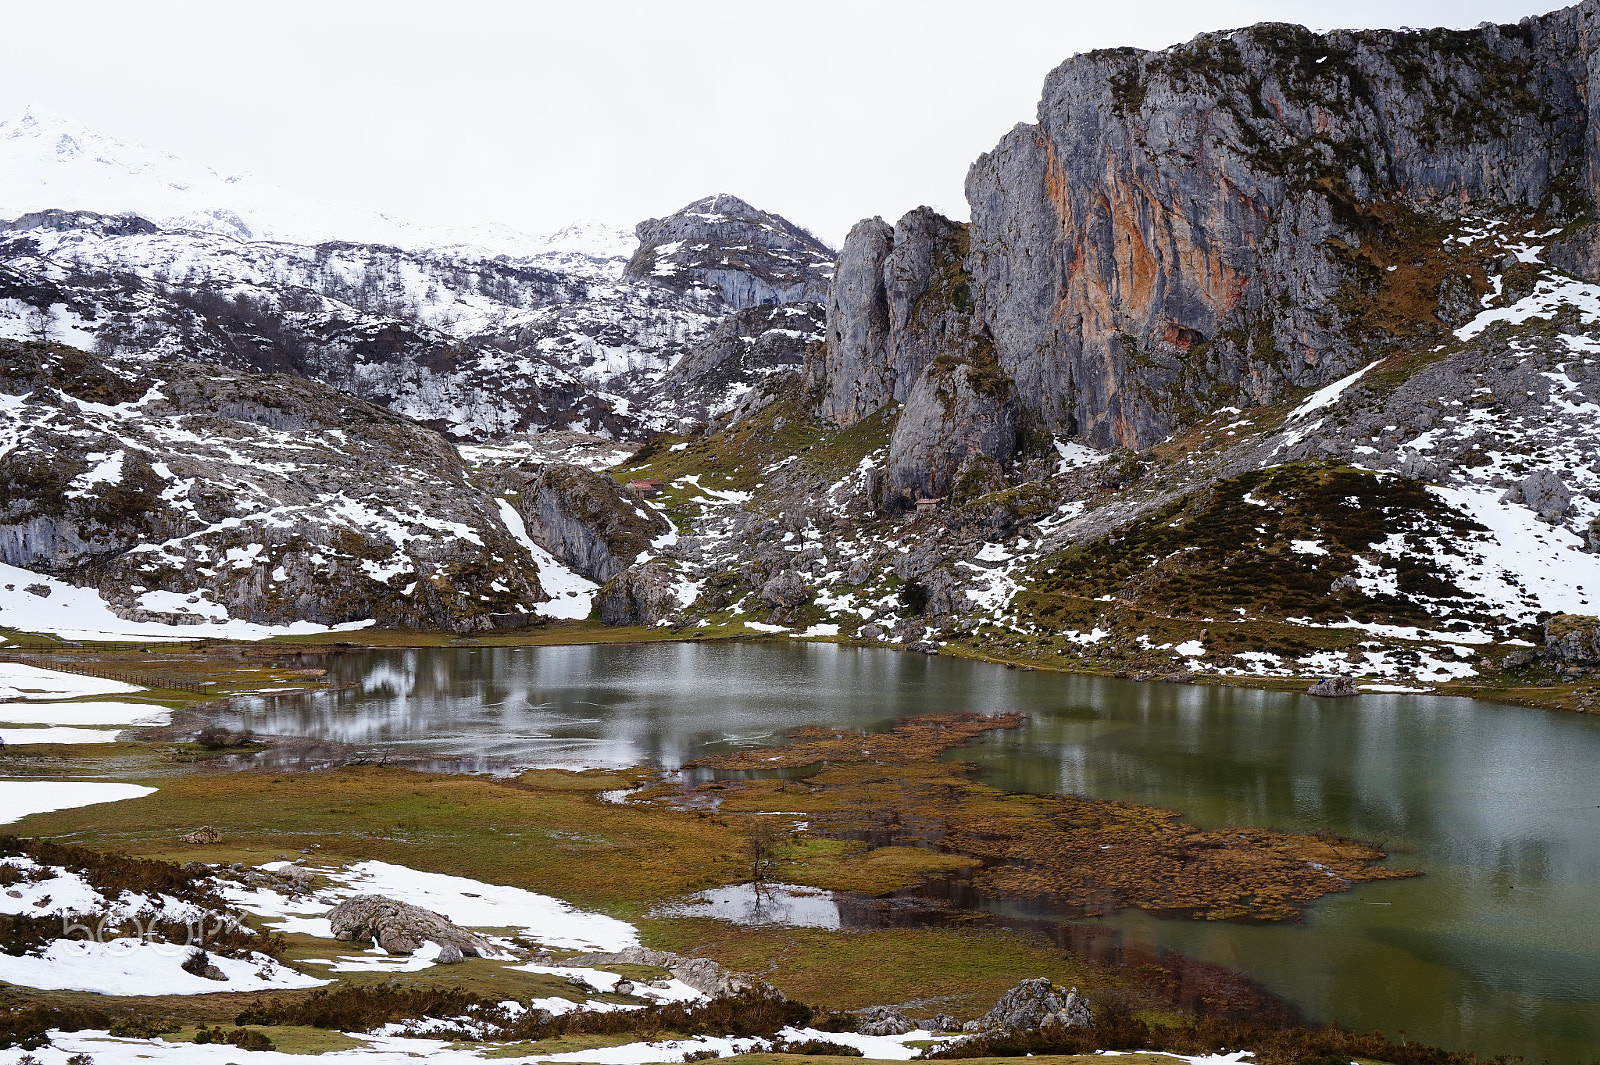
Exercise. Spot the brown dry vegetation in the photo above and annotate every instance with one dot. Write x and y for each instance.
(1080, 855)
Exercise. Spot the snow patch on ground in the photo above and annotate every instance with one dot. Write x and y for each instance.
(84, 714)
(132, 967)
(57, 735)
(81, 613)
(571, 596)
(1326, 396)
(465, 901)
(19, 798)
(18, 680)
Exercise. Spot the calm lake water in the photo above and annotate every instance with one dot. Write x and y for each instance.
(1496, 949)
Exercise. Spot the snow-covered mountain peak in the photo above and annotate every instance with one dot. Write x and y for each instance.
(52, 162)
(590, 236)
(49, 160)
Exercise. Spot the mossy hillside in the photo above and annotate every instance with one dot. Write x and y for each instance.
(741, 456)
(1398, 264)
(1231, 549)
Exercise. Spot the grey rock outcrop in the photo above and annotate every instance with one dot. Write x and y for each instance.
(1334, 688)
(1224, 220)
(885, 1020)
(1542, 492)
(744, 348)
(188, 493)
(399, 927)
(641, 595)
(586, 520)
(702, 974)
(851, 370)
(1572, 640)
(1177, 224)
(1034, 1004)
(1521, 659)
(740, 256)
(956, 410)
(901, 298)
(784, 590)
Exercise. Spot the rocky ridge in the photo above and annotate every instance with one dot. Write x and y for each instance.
(745, 256)
(472, 345)
(1230, 220)
(188, 493)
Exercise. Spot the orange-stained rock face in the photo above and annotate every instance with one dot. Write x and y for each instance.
(1163, 233)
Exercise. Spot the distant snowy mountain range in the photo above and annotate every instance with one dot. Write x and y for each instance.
(124, 250)
(49, 161)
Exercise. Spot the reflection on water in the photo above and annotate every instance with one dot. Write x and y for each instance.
(1496, 949)
(760, 904)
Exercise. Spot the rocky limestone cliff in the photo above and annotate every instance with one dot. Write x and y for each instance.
(641, 595)
(1199, 225)
(738, 255)
(586, 520)
(187, 493)
(900, 299)
(1233, 218)
(960, 418)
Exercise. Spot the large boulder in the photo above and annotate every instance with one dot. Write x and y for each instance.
(1542, 492)
(784, 590)
(399, 927)
(1034, 1004)
(585, 519)
(885, 1020)
(1334, 688)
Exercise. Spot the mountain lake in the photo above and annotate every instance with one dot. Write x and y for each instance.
(1495, 949)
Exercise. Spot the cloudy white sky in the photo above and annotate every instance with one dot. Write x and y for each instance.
(536, 113)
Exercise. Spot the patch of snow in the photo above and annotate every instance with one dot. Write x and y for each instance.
(11, 736)
(82, 613)
(21, 681)
(133, 967)
(1076, 456)
(19, 798)
(571, 596)
(90, 713)
(1326, 396)
(465, 901)
(1547, 298)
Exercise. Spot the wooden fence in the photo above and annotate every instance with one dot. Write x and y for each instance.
(144, 680)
